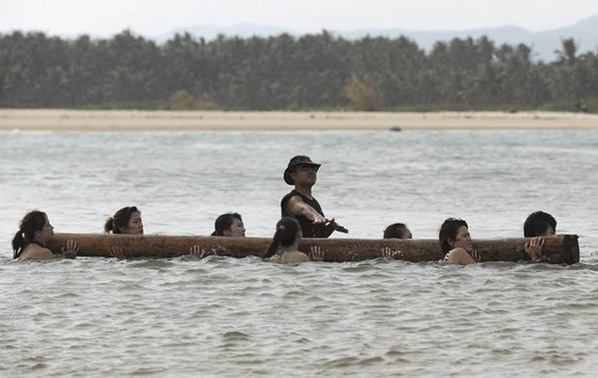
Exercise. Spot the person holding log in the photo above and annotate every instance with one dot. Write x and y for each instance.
(301, 205)
(285, 243)
(125, 221)
(29, 243)
(537, 225)
(229, 224)
(397, 231)
(456, 244)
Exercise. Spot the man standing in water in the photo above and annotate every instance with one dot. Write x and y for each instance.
(300, 204)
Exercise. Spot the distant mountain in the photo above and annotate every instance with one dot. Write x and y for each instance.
(543, 43)
(210, 32)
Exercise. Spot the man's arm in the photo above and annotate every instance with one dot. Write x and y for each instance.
(297, 207)
(333, 226)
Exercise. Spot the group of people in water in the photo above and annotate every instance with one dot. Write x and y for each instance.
(302, 217)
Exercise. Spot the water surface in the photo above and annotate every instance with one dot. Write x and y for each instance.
(232, 317)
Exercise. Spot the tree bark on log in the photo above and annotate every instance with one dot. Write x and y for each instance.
(560, 249)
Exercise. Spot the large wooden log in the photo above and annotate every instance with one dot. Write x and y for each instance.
(560, 249)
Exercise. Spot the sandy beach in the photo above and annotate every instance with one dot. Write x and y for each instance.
(132, 120)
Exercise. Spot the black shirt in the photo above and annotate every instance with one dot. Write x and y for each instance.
(308, 228)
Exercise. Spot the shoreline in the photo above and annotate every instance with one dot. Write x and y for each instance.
(134, 120)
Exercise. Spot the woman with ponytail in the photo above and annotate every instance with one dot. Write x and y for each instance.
(125, 221)
(29, 243)
(286, 241)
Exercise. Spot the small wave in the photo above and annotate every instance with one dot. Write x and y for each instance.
(235, 336)
(151, 264)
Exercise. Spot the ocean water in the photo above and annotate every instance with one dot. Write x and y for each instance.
(246, 317)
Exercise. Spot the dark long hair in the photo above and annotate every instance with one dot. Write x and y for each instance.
(395, 231)
(119, 220)
(537, 223)
(286, 232)
(31, 222)
(449, 230)
(224, 222)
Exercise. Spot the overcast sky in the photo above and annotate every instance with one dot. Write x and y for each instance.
(153, 17)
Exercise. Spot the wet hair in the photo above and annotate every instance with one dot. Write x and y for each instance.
(395, 231)
(287, 229)
(449, 230)
(120, 220)
(224, 222)
(537, 223)
(31, 222)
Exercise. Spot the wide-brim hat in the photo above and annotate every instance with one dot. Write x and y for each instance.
(295, 161)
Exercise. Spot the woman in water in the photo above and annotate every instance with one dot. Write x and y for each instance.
(286, 241)
(29, 243)
(125, 221)
(229, 224)
(397, 231)
(455, 242)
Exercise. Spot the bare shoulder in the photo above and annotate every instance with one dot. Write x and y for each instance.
(294, 204)
(460, 256)
(35, 252)
(294, 200)
(294, 256)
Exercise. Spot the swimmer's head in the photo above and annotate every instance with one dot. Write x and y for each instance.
(539, 223)
(125, 221)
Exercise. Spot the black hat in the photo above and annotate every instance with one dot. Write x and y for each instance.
(296, 160)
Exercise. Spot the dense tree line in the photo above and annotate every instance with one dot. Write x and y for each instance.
(283, 72)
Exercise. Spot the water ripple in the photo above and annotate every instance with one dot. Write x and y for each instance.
(246, 317)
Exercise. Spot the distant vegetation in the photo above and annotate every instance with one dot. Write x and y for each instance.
(287, 73)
